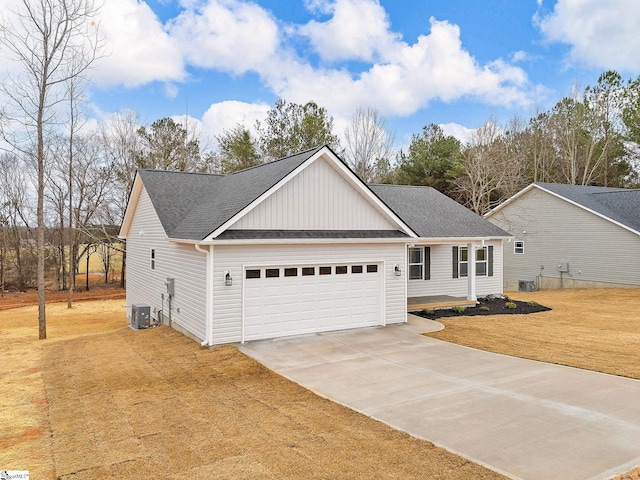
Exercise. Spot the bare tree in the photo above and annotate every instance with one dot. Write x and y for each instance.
(16, 215)
(493, 166)
(53, 42)
(369, 144)
(121, 144)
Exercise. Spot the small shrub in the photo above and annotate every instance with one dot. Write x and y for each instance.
(458, 309)
(510, 305)
(484, 308)
(427, 311)
(533, 303)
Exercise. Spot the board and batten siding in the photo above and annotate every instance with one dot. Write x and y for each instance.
(227, 300)
(442, 281)
(181, 262)
(555, 231)
(318, 198)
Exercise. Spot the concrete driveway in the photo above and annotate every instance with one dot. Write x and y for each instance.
(525, 419)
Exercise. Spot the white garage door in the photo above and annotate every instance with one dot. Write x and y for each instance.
(294, 300)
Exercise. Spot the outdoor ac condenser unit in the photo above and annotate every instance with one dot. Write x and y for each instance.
(140, 316)
(526, 285)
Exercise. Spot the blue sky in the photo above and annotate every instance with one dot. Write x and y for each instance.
(450, 62)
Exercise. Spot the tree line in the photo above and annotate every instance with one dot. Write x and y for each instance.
(64, 186)
(590, 137)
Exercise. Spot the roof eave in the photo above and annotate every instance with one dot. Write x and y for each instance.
(132, 203)
(513, 198)
(296, 241)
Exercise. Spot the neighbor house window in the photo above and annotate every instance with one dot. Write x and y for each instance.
(419, 263)
(153, 259)
(518, 247)
(483, 262)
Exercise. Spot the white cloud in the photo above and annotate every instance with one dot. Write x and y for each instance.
(436, 67)
(171, 90)
(462, 133)
(601, 34)
(137, 49)
(227, 35)
(226, 115)
(358, 30)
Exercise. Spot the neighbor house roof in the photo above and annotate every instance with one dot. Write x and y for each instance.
(431, 214)
(618, 205)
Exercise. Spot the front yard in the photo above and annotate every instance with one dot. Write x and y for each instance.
(595, 329)
(98, 400)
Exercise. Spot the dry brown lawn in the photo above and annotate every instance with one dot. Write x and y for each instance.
(98, 400)
(586, 328)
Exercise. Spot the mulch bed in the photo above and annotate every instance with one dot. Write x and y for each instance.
(492, 305)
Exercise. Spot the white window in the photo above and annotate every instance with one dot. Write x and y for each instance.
(518, 247)
(415, 263)
(153, 259)
(420, 263)
(463, 262)
(482, 262)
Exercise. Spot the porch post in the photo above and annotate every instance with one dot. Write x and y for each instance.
(471, 272)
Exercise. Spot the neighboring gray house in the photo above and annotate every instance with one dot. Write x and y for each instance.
(299, 245)
(570, 236)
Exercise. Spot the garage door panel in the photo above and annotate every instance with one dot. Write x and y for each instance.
(295, 305)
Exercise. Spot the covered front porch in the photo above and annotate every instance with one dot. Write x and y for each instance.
(437, 301)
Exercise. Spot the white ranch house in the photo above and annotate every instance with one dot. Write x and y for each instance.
(296, 246)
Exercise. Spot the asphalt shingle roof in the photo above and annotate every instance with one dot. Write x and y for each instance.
(432, 214)
(618, 204)
(192, 205)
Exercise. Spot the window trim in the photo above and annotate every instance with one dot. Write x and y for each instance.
(323, 270)
(152, 259)
(272, 272)
(290, 271)
(520, 247)
(484, 249)
(252, 273)
(457, 261)
(420, 263)
(425, 263)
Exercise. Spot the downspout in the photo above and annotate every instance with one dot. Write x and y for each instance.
(209, 295)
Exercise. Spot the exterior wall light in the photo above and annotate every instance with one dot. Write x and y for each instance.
(396, 270)
(228, 281)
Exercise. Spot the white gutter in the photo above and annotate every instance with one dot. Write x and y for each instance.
(295, 241)
(208, 296)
